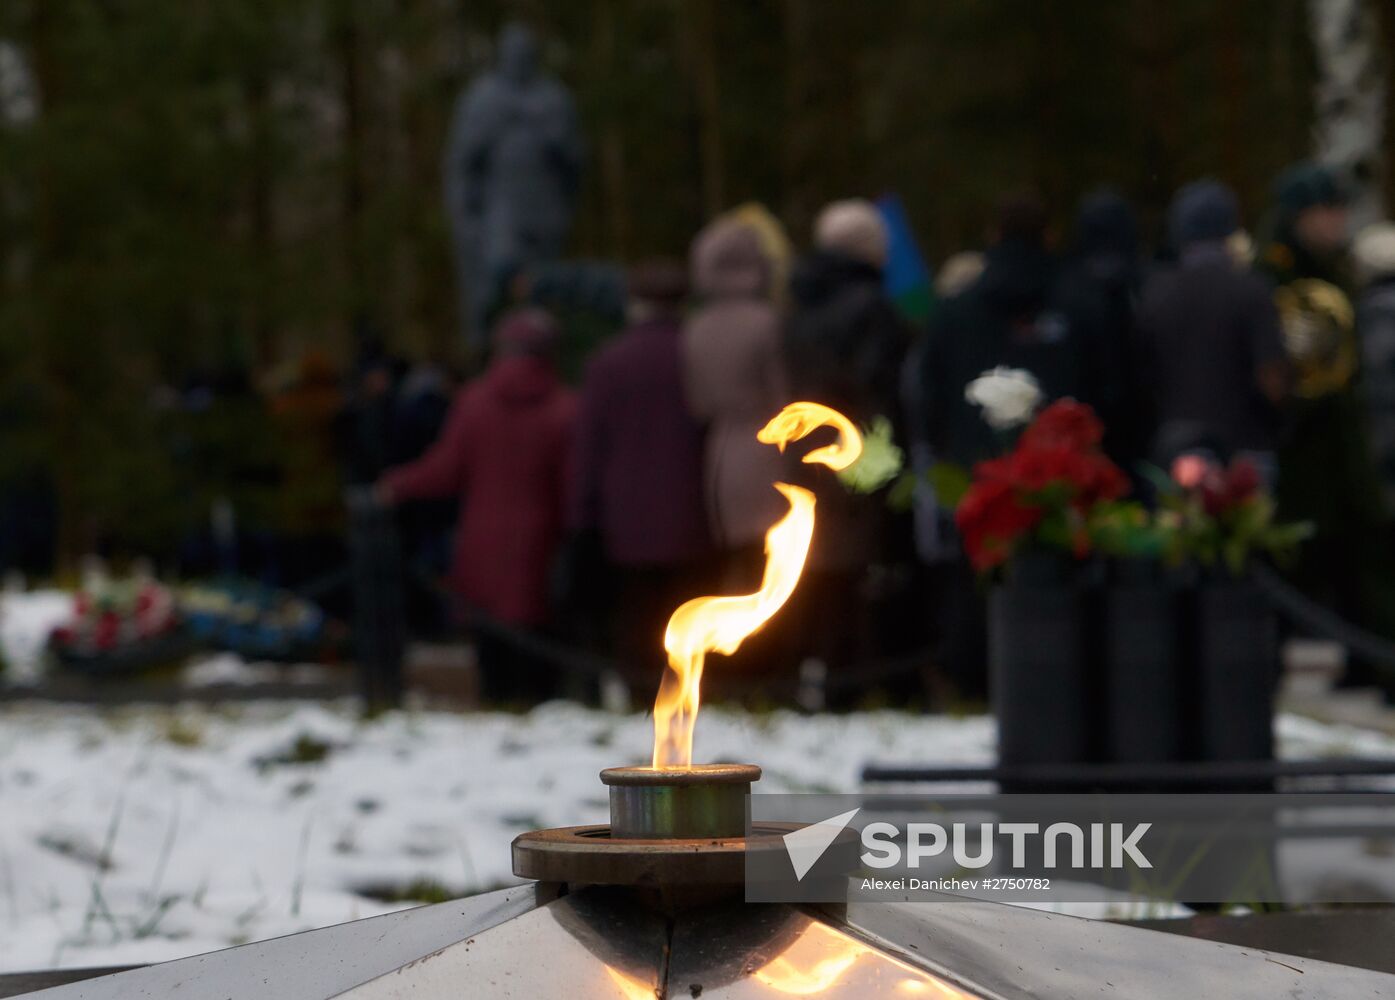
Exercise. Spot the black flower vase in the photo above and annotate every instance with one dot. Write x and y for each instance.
(1140, 664)
(1236, 670)
(1037, 659)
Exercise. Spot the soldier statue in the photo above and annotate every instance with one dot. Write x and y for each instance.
(512, 168)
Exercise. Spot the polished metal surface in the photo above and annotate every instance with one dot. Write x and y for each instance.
(699, 802)
(595, 944)
(660, 917)
(314, 964)
(608, 943)
(1012, 951)
(765, 951)
(1363, 937)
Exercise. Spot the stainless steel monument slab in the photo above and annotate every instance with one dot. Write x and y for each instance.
(656, 911)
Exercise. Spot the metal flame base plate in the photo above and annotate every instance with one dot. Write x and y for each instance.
(589, 855)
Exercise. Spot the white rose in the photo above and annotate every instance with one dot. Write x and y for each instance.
(1009, 396)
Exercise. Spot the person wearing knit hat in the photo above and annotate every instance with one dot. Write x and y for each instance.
(1308, 223)
(503, 452)
(1328, 474)
(1204, 211)
(1209, 339)
(1373, 252)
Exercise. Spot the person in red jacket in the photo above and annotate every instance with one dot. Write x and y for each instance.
(504, 452)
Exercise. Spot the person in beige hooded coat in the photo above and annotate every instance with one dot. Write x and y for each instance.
(734, 381)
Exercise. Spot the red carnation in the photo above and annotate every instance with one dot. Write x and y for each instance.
(1001, 470)
(1057, 470)
(991, 520)
(1064, 424)
(1101, 479)
(1219, 488)
(1243, 480)
(1089, 476)
(1039, 468)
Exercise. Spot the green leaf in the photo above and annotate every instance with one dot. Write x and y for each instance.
(950, 482)
(1159, 478)
(879, 463)
(902, 493)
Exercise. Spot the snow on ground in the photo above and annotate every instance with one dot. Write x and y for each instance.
(143, 834)
(25, 622)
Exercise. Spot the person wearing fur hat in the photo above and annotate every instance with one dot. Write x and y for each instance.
(844, 345)
(1373, 254)
(844, 342)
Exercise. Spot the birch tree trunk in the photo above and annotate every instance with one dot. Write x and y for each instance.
(1349, 103)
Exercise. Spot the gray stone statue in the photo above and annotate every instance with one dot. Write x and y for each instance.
(512, 168)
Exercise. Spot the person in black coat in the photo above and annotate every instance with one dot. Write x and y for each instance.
(1103, 275)
(844, 344)
(1018, 315)
(1209, 334)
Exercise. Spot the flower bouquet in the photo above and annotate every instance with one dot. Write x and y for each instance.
(122, 626)
(1039, 500)
(1171, 652)
(1045, 492)
(1221, 516)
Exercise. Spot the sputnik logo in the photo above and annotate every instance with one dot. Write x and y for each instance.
(806, 845)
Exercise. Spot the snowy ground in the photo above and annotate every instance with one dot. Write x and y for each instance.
(144, 834)
(26, 619)
(141, 834)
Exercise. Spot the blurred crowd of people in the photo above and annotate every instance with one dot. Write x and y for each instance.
(601, 466)
(592, 512)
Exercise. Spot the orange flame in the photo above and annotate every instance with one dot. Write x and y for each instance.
(721, 624)
(631, 988)
(821, 958)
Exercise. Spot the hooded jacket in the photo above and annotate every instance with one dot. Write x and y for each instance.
(504, 452)
(734, 381)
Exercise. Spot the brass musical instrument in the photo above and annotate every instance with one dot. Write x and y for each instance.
(1319, 332)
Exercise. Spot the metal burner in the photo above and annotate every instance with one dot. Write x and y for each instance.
(657, 804)
(668, 829)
